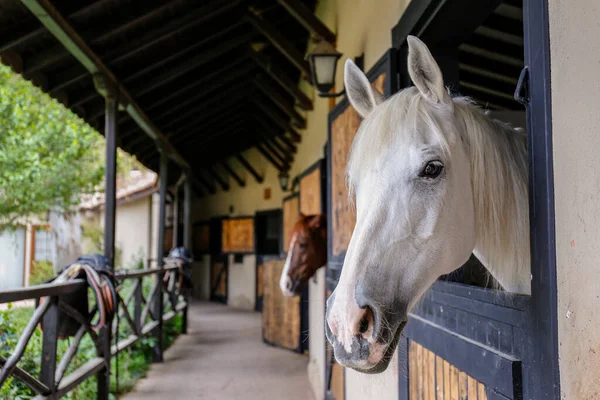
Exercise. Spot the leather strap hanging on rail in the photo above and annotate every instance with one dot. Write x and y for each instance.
(99, 275)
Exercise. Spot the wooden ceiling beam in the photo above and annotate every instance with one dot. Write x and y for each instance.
(204, 134)
(218, 130)
(32, 36)
(207, 123)
(210, 95)
(91, 93)
(193, 86)
(242, 160)
(284, 46)
(224, 185)
(211, 188)
(291, 147)
(308, 19)
(190, 112)
(195, 46)
(283, 80)
(97, 36)
(188, 66)
(279, 101)
(152, 38)
(270, 158)
(58, 26)
(233, 174)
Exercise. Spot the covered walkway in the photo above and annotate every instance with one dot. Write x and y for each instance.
(223, 357)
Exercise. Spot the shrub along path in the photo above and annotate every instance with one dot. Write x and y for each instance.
(223, 357)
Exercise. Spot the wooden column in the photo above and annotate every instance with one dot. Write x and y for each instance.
(176, 201)
(110, 202)
(157, 354)
(108, 90)
(187, 237)
(187, 214)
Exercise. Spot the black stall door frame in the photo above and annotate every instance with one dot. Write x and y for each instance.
(507, 342)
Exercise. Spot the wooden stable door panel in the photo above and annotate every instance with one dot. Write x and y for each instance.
(238, 235)
(281, 314)
(219, 279)
(310, 193)
(291, 214)
(343, 131)
(343, 217)
(337, 382)
(201, 238)
(259, 280)
(433, 378)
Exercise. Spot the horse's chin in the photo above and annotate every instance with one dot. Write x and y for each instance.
(382, 365)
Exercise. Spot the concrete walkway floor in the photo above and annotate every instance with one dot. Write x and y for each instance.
(223, 357)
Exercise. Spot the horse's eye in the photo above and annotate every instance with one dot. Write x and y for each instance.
(432, 170)
(303, 245)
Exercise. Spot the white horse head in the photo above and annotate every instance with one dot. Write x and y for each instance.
(434, 180)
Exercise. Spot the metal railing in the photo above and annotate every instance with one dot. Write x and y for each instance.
(142, 315)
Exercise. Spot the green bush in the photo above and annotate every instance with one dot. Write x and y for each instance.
(41, 272)
(131, 364)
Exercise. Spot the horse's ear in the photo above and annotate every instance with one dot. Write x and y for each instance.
(362, 95)
(317, 221)
(425, 72)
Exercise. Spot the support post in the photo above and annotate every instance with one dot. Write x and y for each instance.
(176, 235)
(50, 345)
(187, 239)
(137, 304)
(110, 208)
(157, 353)
(187, 214)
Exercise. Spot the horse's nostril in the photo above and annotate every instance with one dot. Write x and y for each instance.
(364, 325)
(366, 321)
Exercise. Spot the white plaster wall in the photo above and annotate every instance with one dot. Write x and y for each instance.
(241, 286)
(382, 386)
(132, 227)
(575, 68)
(201, 277)
(316, 335)
(67, 230)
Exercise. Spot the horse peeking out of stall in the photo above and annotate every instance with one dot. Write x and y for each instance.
(307, 253)
(435, 179)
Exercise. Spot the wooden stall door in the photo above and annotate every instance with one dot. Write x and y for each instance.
(201, 239)
(237, 235)
(281, 314)
(219, 278)
(343, 124)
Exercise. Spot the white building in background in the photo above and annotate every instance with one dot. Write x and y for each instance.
(55, 239)
(136, 218)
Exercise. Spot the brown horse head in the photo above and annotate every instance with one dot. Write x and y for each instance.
(307, 253)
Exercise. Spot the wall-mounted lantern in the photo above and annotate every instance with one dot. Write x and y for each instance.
(284, 180)
(323, 62)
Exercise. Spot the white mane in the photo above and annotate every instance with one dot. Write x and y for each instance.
(498, 159)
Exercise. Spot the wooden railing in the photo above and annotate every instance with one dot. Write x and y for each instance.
(142, 315)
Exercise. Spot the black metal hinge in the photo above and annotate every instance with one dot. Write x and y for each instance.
(522, 89)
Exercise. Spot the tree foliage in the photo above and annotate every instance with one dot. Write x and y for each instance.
(48, 155)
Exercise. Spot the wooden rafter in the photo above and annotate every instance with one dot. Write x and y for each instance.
(233, 174)
(259, 178)
(280, 102)
(280, 42)
(307, 19)
(283, 80)
(224, 185)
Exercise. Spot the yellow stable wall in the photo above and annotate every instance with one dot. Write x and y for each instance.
(575, 64)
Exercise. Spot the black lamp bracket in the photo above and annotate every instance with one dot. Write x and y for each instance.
(360, 63)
